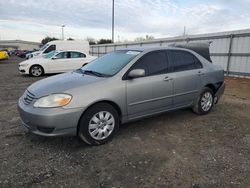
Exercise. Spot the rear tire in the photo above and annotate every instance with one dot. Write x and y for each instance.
(205, 102)
(99, 124)
(36, 70)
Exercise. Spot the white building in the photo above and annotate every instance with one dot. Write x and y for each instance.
(19, 45)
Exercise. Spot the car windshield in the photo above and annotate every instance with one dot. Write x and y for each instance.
(111, 63)
(50, 54)
(43, 47)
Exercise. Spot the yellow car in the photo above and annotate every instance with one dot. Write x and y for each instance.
(4, 55)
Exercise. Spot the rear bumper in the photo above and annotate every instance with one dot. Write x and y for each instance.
(220, 92)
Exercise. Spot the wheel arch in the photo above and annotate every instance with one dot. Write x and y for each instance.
(36, 65)
(113, 104)
(212, 87)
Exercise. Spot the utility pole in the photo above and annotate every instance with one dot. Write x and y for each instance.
(63, 32)
(113, 19)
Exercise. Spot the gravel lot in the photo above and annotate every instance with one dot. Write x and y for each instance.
(176, 149)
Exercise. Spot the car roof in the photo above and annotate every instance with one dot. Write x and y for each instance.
(69, 51)
(146, 49)
(200, 48)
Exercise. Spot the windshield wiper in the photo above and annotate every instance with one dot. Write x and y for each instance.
(92, 73)
(95, 73)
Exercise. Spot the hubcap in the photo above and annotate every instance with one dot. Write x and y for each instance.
(36, 71)
(101, 125)
(206, 101)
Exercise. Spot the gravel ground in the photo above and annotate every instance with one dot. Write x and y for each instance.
(176, 149)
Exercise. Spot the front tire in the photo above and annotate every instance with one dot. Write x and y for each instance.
(205, 102)
(99, 124)
(36, 70)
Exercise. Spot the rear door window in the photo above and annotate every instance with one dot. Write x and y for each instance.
(77, 55)
(182, 60)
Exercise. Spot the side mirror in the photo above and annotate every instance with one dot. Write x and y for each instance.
(136, 73)
(54, 58)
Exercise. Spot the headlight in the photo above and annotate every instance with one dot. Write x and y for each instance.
(54, 100)
(24, 65)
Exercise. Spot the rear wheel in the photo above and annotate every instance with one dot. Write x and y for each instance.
(36, 70)
(205, 102)
(98, 124)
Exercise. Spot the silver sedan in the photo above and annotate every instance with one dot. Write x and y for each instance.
(119, 87)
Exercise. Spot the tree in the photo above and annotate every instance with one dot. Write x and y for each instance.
(48, 39)
(147, 37)
(90, 40)
(104, 41)
(70, 38)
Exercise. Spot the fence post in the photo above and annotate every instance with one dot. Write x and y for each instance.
(91, 50)
(229, 53)
(98, 51)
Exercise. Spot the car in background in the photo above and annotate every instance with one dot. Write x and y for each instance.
(21, 53)
(55, 62)
(28, 54)
(119, 87)
(3, 55)
(60, 45)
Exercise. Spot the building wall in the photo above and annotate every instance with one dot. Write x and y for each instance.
(231, 50)
(19, 45)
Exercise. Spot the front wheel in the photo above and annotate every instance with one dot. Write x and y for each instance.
(205, 102)
(98, 124)
(36, 70)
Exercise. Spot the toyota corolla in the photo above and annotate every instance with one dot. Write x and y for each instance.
(119, 87)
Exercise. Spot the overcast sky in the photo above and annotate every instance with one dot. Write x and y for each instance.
(32, 20)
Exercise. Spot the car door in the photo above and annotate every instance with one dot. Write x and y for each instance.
(187, 72)
(78, 59)
(153, 92)
(60, 62)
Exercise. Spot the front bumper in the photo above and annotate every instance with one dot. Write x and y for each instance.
(49, 121)
(23, 70)
(220, 92)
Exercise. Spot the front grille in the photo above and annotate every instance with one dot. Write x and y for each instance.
(28, 97)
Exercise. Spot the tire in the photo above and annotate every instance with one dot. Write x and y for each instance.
(98, 124)
(205, 102)
(36, 70)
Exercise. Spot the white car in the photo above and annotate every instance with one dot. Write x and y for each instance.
(60, 45)
(55, 62)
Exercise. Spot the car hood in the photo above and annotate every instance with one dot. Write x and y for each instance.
(33, 61)
(61, 83)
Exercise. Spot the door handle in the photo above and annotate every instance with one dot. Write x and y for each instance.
(200, 73)
(167, 78)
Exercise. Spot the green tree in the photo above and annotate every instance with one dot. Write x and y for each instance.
(91, 40)
(104, 41)
(48, 39)
(70, 38)
(147, 37)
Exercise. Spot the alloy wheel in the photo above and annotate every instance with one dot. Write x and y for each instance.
(36, 71)
(206, 101)
(101, 125)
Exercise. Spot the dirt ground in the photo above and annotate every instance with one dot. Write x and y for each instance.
(176, 149)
